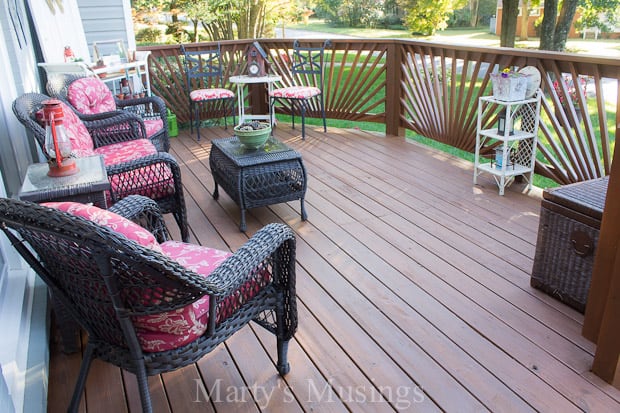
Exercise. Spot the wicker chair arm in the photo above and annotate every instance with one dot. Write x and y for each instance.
(265, 244)
(159, 157)
(97, 116)
(120, 128)
(158, 106)
(144, 212)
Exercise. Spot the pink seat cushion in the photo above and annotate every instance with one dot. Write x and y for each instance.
(109, 220)
(176, 328)
(89, 95)
(153, 126)
(296, 92)
(209, 94)
(172, 329)
(154, 181)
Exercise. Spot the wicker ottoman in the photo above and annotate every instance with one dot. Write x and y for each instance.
(570, 220)
(254, 178)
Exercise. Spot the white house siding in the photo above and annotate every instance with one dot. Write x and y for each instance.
(23, 299)
(109, 20)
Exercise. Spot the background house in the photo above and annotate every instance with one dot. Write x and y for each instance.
(34, 31)
(537, 13)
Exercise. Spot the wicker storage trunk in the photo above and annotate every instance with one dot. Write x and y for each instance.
(570, 220)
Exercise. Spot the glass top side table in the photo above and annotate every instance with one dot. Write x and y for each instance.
(89, 185)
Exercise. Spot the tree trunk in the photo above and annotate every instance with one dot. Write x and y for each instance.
(567, 12)
(547, 26)
(554, 30)
(525, 17)
(473, 10)
(510, 11)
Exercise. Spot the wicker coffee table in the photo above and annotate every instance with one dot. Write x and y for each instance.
(253, 178)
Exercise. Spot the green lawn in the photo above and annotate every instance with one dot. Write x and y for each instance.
(480, 36)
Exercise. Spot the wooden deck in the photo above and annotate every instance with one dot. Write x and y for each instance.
(413, 294)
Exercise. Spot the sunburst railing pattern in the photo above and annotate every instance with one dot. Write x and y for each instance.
(433, 89)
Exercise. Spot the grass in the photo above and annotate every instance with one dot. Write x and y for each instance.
(479, 36)
(465, 36)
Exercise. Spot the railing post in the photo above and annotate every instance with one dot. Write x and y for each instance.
(603, 307)
(393, 73)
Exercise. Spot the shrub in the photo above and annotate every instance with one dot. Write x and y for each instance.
(148, 35)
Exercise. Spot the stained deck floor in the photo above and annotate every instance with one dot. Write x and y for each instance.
(413, 295)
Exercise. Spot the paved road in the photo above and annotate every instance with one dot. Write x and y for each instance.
(308, 34)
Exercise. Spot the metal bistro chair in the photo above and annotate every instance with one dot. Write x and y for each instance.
(150, 305)
(307, 83)
(203, 70)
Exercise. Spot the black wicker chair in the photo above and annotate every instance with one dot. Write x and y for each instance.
(128, 177)
(105, 280)
(147, 109)
(306, 83)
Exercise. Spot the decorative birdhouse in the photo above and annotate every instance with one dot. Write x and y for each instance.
(256, 58)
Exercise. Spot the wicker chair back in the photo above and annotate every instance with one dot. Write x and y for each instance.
(103, 280)
(145, 109)
(127, 176)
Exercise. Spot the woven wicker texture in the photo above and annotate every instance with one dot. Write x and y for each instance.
(586, 197)
(103, 279)
(129, 177)
(259, 179)
(149, 107)
(567, 238)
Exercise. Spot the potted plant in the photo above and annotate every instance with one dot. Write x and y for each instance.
(509, 85)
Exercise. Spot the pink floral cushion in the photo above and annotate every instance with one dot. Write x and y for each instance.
(154, 181)
(153, 126)
(176, 328)
(126, 151)
(81, 142)
(109, 220)
(296, 92)
(208, 94)
(90, 95)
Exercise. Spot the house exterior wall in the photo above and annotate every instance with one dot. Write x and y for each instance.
(24, 351)
(23, 299)
(531, 20)
(107, 20)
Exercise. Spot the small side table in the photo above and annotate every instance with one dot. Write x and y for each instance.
(253, 178)
(243, 80)
(88, 185)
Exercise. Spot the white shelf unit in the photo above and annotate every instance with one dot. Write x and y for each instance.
(115, 72)
(518, 148)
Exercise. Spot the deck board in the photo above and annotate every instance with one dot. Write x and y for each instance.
(413, 292)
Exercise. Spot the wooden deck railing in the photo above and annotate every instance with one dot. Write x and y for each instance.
(433, 90)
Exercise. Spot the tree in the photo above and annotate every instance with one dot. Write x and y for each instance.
(602, 14)
(554, 28)
(510, 11)
(428, 16)
(473, 10)
(525, 17)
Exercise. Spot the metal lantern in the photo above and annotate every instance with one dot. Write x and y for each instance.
(57, 143)
(502, 122)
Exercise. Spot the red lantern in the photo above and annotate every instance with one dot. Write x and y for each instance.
(57, 142)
